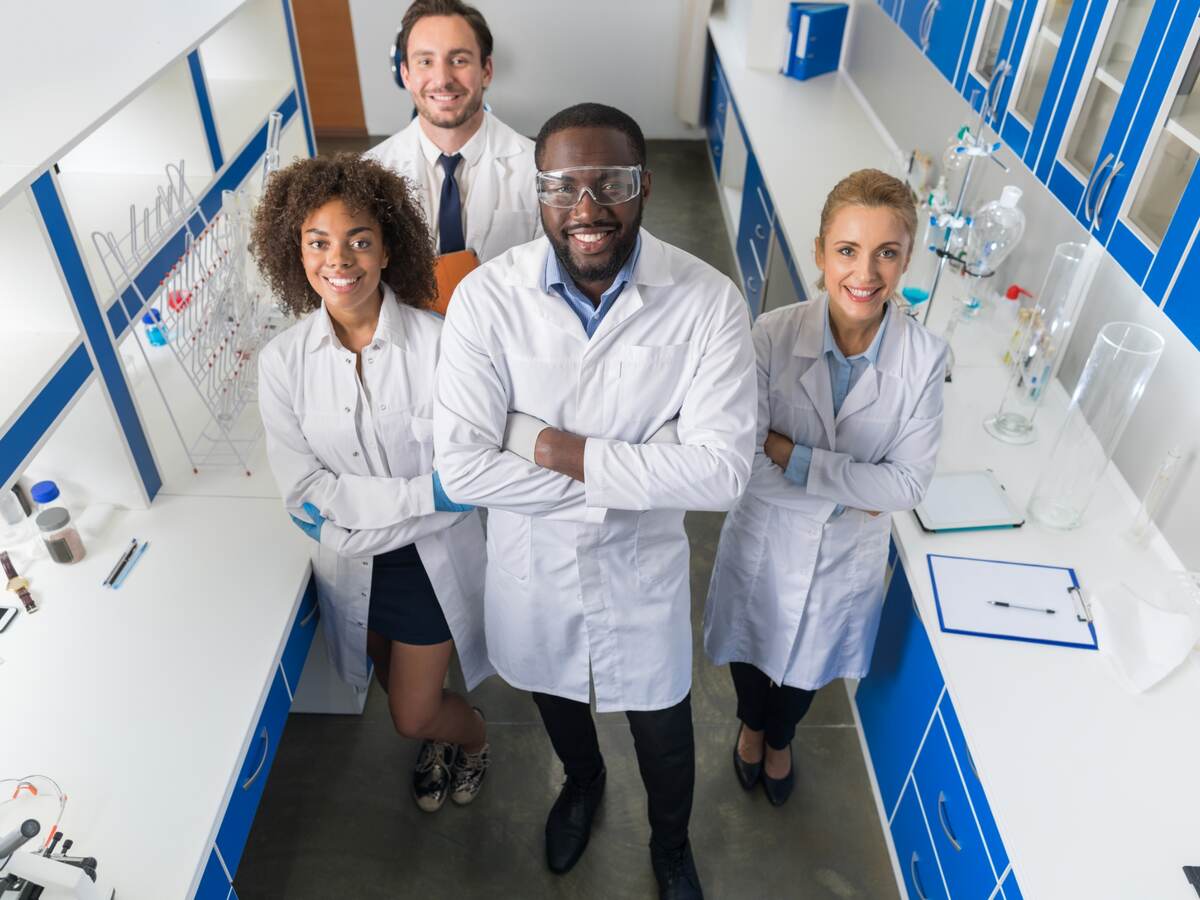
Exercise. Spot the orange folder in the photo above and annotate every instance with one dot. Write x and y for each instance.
(451, 268)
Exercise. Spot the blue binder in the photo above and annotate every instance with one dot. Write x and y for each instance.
(815, 44)
(1010, 601)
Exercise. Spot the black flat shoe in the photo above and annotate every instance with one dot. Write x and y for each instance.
(747, 773)
(569, 824)
(676, 874)
(779, 789)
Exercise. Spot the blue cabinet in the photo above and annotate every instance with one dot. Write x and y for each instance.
(248, 790)
(1011, 891)
(914, 848)
(942, 828)
(951, 34)
(717, 107)
(904, 680)
(754, 234)
(214, 883)
(989, 74)
(295, 652)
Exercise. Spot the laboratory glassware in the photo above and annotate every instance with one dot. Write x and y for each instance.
(60, 536)
(155, 332)
(44, 493)
(17, 531)
(996, 229)
(1155, 494)
(1040, 347)
(1110, 387)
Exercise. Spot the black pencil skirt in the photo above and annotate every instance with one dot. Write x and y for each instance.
(403, 605)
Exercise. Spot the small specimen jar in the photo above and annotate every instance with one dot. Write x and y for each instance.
(60, 536)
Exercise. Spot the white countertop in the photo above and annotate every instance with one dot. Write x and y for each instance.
(140, 701)
(1094, 789)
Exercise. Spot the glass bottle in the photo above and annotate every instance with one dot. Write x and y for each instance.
(61, 538)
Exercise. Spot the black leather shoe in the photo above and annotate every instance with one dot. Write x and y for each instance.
(747, 773)
(569, 824)
(779, 789)
(676, 874)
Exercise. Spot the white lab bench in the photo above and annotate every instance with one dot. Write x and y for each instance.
(1071, 786)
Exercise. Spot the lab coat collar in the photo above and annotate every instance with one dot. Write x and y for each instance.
(472, 151)
(390, 326)
(810, 342)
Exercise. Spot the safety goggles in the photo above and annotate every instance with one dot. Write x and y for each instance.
(607, 185)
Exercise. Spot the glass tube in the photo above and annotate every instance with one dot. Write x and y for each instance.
(1109, 389)
(1040, 346)
(1155, 494)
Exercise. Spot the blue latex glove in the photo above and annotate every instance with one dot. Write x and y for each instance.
(313, 528)
(442, 503)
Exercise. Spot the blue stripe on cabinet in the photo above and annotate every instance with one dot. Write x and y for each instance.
(117, 320)
(300, 89)
(22, 436)
(206, 112)
(45, 193)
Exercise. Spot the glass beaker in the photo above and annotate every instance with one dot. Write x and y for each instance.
(1044, 337)
(1109, 389)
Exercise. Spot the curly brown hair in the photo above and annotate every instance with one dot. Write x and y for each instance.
(363, 185)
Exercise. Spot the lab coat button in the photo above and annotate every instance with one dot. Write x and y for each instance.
(383, 407)
(347, 409)
(356, 453)
(366, 562)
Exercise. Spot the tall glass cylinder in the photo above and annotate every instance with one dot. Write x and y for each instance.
(1109, 389)
(1039, 345)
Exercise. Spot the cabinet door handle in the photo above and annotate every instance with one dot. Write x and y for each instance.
(308, 618)
(1088, 211)
(944, 819)
(1001, 72)
(1112, 175)
(759, 231)
(926, 31)
(716, 150)
(971, 761)
(720, 109)
(752, 284)
(266, 742)
(916, 877)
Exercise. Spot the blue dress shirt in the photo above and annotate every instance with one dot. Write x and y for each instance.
(556, 280)
(844, 373)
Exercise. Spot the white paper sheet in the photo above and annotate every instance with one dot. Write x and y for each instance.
(960, 500)
(964, 586)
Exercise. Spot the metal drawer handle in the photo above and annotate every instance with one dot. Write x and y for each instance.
(716, 150)
(304, 622)
(751, 283)
(926, 29)
(760, 232)
(1104, 190)
(971, 760)
(266, 742)
(720, 109)
(916, 877)
(944, 818)
(1089, 211)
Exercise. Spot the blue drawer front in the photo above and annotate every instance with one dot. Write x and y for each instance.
(295, 652)
(911, 14)
(1135, 258)
(239, 816)
(966, 765)
(918, 865)
(1015, 135)
(951, 35)
(897, 698)
(213, 883)
(956, 839)
(754, 234)
(1011, 891)
(790, 262)
(718, 104)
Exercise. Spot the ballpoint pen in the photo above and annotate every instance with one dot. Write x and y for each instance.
(129, 566)
(1040, 609)
(116, 570)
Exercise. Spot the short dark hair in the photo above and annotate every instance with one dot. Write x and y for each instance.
(592, 115)
(363, 185)
(421, 9)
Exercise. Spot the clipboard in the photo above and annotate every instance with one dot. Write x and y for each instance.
(967, 501)
(450, 269)
(963, 587)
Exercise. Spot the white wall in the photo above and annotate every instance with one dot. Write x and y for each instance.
(548, 55)
(920, 109)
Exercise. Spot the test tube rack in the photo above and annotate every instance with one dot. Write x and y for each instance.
(215, 310)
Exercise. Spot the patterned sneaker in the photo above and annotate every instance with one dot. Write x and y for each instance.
(431, 777)
(467, 775)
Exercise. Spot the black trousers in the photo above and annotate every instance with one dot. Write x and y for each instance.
(764, 706)
(666, 755)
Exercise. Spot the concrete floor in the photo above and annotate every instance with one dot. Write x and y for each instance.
(337, 818)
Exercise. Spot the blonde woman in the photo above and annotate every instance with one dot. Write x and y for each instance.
(849, 423)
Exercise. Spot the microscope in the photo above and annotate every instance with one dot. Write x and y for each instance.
(46, 875)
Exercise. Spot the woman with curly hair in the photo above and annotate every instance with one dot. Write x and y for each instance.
(346, 396)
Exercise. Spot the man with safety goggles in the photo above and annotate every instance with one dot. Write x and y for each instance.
(592, 387)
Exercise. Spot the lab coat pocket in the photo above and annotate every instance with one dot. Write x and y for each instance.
(407, 442)
(661, 553)
(422, 432)
(509, 544)
(653, 380)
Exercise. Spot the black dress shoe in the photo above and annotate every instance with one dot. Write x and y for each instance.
(676, 874)
(779, 789)
(569, 824)
(747, 773)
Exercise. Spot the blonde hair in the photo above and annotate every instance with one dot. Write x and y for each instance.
(871, 188)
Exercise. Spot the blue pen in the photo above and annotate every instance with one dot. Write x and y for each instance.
(129, 566)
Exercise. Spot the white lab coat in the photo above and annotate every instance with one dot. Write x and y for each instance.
(795, 592)
(501, 206)
(565, 598)
(309, 397)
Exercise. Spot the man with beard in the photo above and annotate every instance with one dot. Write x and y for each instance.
(474, 175)
(599, 336)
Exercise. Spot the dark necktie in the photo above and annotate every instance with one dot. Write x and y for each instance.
(450, 230)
